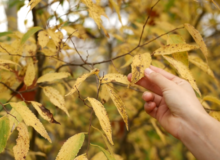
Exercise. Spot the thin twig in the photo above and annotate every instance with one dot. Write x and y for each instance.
(7, 111)
(13, 90)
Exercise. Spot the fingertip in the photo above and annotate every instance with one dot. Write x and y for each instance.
(147, 96)
(149, 107)
(129, 76)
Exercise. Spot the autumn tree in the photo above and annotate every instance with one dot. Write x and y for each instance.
(64, 89)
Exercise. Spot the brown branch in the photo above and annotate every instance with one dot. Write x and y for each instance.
(7, 111)
(13, 90)
(117, 57)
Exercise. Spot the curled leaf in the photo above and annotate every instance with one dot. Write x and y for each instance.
(30, 119)
(22, 146)
(212, 99)
(71, 147)
(52, 76)
(44, 112)
(140, 63)
(102, 116)
(56, 98)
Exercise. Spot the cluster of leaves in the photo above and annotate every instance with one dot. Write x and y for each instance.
(44, 73)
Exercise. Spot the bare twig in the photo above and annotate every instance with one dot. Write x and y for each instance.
(13, 90)
(7, 111)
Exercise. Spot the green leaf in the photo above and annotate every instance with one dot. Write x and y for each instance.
(71, 147)
(30, 33)
(107, 154)
(5, 33)
(4, 132)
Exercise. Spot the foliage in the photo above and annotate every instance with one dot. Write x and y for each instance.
(68, 79)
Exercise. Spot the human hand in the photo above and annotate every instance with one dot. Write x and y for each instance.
(172, 100)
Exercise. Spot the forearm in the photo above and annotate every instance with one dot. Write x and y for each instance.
(202, 137)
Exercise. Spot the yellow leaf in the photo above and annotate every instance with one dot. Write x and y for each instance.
(174, 48)
(14, 122)
(57, 37)
(117, 9)
(33, 3)
(21, 148)
(103, 95)
(115, 77)
(215, 115)
(44, 112)
(140, 63)
(119, 104)
(202, 65)
(80, 80)
(81, 157)
(160, 134)
(3, 61)
(43, 38)
(198, 38)
(30, 73)
(30, 119)
(180, 56)
(48, 52)
(110, 148)
(56, 98)
(71, 147)
(184, 72)
(212, 99)
(101, 156)
(52, 76)
(95, 11)
(102, 116)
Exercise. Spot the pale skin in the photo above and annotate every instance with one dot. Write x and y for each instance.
(173, 102)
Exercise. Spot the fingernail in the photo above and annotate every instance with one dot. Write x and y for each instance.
(148, 71)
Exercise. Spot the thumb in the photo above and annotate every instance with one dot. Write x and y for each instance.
(159, 80)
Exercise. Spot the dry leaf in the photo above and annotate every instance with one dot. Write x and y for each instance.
(119, 104)
(174, 48)
(56, 98)
(140, 63)
(53, 76)
(198, 38)
(44, 112)
(81, 79)
(30, 119)
(102, 116)
(22, 146)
